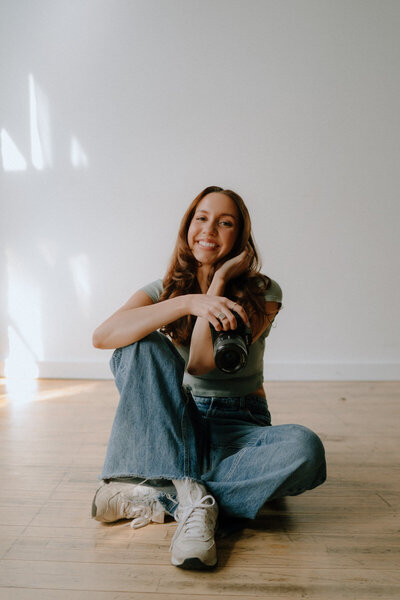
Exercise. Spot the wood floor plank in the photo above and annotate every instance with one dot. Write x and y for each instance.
(42, 594)
(226, 581)
(338, 542)
(245, 550)
(13, 515)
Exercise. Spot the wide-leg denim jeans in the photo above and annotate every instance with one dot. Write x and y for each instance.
(161, 432)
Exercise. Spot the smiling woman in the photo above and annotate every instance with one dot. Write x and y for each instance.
(215, 238)
(213, 228)
(188, 439)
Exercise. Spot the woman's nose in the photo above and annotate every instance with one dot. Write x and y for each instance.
(209, 228)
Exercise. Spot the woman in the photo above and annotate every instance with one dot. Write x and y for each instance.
(200, 438)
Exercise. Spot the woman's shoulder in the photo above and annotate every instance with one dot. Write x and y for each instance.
(154, 289)
(272, 289)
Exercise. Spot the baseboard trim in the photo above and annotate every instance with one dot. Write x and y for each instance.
(332, 371)
(273, 371)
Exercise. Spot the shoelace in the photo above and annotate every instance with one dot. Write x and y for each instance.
(140, 513)
(193, 520)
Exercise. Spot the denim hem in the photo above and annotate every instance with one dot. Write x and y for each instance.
(140, 476)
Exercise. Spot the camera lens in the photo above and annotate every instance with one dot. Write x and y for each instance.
(230, 357)
(231, 347)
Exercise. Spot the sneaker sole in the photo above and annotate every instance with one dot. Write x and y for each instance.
(194, 564)
(94, 507)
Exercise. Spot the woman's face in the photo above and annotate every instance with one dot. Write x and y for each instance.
(214, 228)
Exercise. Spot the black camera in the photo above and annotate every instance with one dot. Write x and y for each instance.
(231, 347)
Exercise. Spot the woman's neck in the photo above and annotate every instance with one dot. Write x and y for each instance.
(202, 277)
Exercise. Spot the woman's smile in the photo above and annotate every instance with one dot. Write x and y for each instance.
(207, 245)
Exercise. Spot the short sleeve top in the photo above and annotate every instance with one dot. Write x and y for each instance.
(216, 383)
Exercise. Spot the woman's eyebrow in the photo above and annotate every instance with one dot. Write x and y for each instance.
(221, 215)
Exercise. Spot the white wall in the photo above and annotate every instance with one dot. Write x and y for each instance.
(116, 113)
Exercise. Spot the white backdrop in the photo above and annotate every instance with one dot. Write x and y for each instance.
(115, 114)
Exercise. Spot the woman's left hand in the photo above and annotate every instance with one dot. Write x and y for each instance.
(237, 265)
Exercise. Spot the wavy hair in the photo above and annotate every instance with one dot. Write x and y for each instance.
(247, 289)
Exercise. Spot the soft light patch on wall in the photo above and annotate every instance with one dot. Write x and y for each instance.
(21, 363)
(79, 159)
(80, 269)
(11, 156)
(25, 318)
(41, 152)
(48, 250)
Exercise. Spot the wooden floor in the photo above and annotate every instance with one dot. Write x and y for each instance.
(340, 541)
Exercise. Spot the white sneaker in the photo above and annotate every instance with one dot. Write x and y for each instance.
(115, 500)
(193, 545)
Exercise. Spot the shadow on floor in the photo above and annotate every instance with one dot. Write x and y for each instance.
(272, 517)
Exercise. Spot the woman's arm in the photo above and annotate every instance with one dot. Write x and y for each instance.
(201, 357)
(137, 318)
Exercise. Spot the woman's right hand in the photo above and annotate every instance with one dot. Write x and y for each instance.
(210, 307)
(237, 265)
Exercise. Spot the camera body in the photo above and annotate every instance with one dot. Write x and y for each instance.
(231, 347)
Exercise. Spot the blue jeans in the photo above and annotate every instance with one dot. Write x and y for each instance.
(161, 432)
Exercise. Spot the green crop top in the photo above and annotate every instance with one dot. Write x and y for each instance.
(216, 383)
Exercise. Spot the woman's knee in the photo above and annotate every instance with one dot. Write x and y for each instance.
(154, 347)
(155, 338)
(308, 446)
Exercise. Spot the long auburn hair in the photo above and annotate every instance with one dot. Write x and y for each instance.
(248, 289)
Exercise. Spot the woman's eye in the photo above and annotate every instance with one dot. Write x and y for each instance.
(224, 223)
